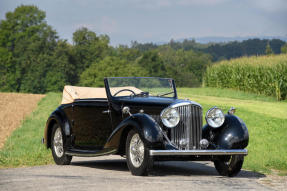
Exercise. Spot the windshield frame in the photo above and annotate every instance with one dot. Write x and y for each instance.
(106, 82)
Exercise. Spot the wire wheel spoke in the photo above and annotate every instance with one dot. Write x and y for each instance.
(136, 150)
(58, 143)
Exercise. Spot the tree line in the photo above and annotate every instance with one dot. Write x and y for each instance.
(33, 58)
(224, 51)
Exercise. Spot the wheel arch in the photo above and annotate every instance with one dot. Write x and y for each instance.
(233, 134)
(148, 129)
(50, 125)
(57, 117)
(121, 148)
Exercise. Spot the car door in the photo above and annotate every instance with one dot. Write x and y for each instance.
(92, 124)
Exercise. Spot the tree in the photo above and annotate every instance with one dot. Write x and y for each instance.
(143, 47)
(186, 67)
(124, 52)
(62, 70)
(28, 43)
(152, 63)
(268, 50)
(276, 45)
(284, 48)
(88, 48)
(110, 66)
(7, 70)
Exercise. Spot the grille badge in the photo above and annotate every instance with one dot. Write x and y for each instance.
(183, 143)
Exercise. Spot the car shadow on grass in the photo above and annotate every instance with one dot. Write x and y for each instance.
(166, 168)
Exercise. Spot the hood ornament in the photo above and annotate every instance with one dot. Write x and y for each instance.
(231, 111)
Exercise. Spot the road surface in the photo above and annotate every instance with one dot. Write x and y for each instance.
(111, 173)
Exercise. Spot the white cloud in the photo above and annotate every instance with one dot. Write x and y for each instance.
(108, 25)
(270, 5)
(200, 2)
(155, 4)
(104, 25)
(266, 5)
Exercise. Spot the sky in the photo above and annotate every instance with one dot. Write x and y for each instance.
(161, 20)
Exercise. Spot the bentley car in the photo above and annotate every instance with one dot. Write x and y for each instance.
(142, 119)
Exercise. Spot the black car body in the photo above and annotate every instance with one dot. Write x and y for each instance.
(146, 127)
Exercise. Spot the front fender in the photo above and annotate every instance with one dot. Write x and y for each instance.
(233, 134)
(147, 127)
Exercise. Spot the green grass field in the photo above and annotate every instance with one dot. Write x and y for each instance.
(265, 118)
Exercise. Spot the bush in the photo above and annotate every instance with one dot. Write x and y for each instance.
(110, 66)
(265, 75)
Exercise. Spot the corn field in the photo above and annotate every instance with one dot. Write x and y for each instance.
(266, 75)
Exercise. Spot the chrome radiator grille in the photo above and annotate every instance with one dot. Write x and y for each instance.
(189, 128)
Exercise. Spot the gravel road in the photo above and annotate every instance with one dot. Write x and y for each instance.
(111, 173)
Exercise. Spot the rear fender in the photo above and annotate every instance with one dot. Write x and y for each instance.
(59, 118)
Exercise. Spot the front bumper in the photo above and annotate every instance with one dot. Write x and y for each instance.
(198, 152)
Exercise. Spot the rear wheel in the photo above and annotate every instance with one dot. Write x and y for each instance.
(138, 159)
(57, 146)
(229, 165)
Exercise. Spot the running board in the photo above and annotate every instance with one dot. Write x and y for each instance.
(197, 152)
(90, 153)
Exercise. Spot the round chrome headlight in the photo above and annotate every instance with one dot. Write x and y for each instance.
(170, 117)
(214, 117)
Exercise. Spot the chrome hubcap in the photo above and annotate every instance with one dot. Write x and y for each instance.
(58, 143)
(136, 150)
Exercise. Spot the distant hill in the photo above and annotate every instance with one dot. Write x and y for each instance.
(222, 48)
(218, 39)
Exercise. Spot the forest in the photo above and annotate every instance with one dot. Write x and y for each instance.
(34, 59)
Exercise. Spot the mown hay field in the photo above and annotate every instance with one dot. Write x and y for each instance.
(265, 75)
(14, 107)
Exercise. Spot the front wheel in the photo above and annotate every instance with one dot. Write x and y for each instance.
(138, 159)
(57, 147)
(229, 165)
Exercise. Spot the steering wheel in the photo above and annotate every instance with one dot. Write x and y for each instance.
(123, 91)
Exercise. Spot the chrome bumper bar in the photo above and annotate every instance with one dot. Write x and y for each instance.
(197, 152)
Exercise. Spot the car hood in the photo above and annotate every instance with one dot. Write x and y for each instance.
(150, 105)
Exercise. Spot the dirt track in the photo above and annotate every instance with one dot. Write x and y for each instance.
(111, 173)
(14, 107)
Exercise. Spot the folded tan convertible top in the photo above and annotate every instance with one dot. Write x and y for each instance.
(71, 93)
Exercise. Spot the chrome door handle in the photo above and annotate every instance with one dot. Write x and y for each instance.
(106, 111)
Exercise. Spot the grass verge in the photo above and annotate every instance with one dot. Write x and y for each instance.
(23, 147)
(265, 118)
(228, 93)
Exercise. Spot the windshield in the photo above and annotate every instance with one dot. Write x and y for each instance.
(141, 86)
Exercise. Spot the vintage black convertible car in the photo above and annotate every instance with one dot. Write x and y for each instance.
(143, 120)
